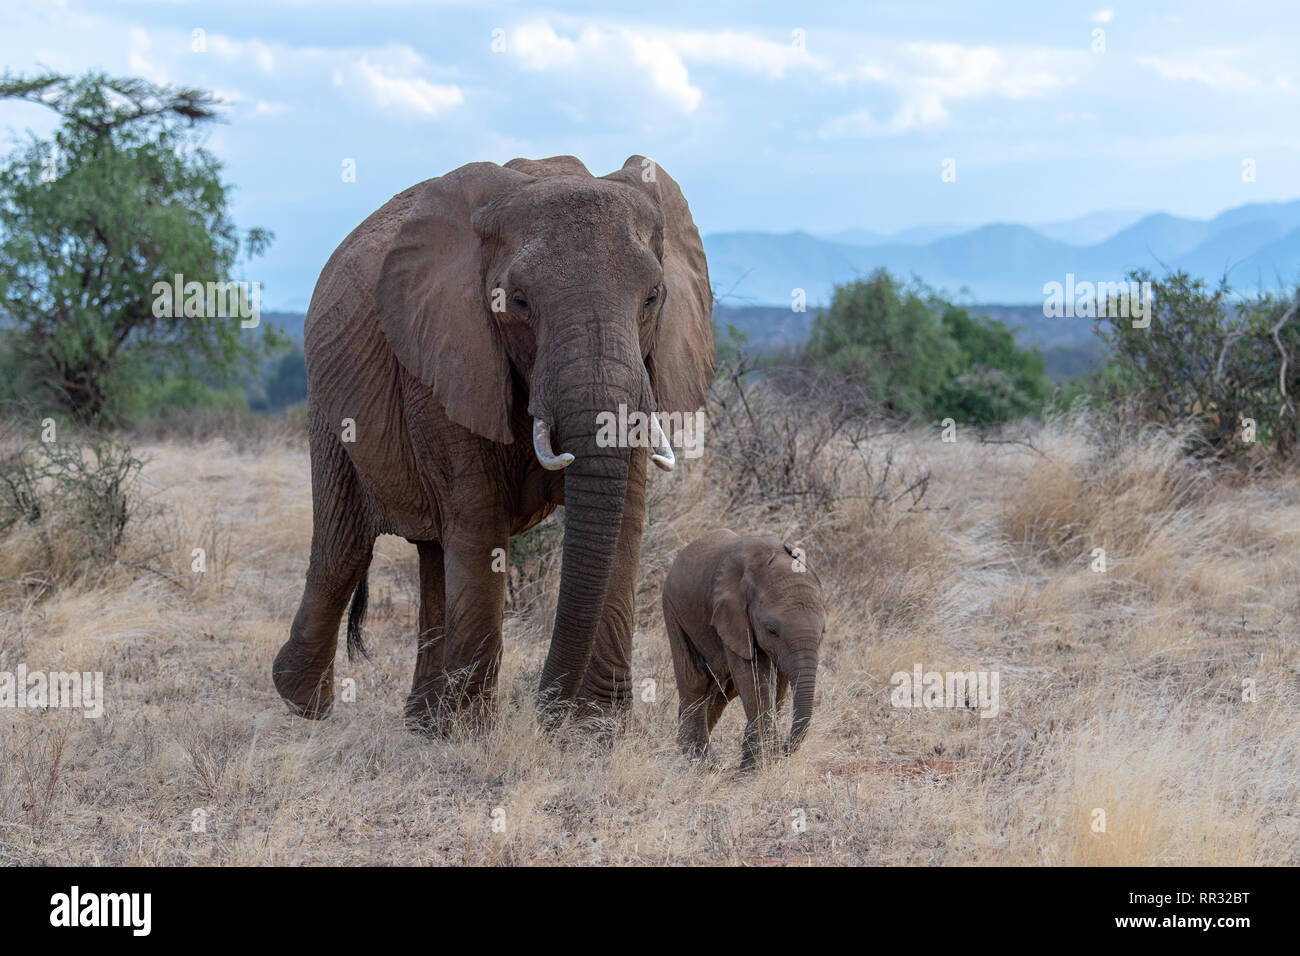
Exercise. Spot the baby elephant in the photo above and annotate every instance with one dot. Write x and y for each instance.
(735, 609)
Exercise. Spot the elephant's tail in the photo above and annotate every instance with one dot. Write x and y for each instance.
(356, 640)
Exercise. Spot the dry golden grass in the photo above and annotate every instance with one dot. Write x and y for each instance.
(1120, 691)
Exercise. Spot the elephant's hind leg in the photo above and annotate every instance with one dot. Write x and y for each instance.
(341, 547)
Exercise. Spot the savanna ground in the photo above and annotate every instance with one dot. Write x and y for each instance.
(1120, 691)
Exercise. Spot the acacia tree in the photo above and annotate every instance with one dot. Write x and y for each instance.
(123, 195)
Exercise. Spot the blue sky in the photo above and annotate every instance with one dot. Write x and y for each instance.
(773, 117)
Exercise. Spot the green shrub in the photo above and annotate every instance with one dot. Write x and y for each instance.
(1228, 366)
(993, 380)
(918, 355)
(887, 337)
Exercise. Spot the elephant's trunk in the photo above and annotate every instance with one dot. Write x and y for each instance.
(803, 684)
(595, 489)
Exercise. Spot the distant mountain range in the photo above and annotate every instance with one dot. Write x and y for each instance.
(1001, 267)
(1083, 231)
(1256, 245)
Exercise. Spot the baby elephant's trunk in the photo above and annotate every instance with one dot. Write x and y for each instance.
(803, 684)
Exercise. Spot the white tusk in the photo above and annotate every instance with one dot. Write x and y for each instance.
(665, 459)
(542, 448)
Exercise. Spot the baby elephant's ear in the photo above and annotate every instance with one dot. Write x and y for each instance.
(730, 613)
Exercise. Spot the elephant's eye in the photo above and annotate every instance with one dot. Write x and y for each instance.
(652, 298)
(520, 301)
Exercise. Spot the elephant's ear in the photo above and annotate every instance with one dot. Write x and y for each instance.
(730, 612)
(681, 359)
(431, 299)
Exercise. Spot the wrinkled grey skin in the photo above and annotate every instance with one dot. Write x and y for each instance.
(744, 619)
(606, 300)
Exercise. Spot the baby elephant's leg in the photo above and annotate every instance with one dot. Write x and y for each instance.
(692, 725)
(756, 683)
(698, 720)
(718, 702)
(695, 691)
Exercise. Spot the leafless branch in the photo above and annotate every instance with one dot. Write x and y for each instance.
(1287, 316)
(985, 440)
(1223, 352)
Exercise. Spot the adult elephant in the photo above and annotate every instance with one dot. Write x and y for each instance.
(460, 345)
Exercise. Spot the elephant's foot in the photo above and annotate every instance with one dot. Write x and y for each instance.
(441, 711)
(422, 716)
(552, 711)
(614, 715)
(603, 720)
(754, 758)
(696, 754)
(305, 683)
(604, 698)
(759, 749)
(429, 714)
(692, 747)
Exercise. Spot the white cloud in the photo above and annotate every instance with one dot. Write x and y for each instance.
(958, 72)
(233, 97)
(659, 56)
(862, 124)
(394, 78)
(1102, 16)
(667, 72)
(539, 47)
(1210, 68)
(744, 51)
(405, 93)
(927, 77)
(255, 51)
(138, 59)
(603, 53)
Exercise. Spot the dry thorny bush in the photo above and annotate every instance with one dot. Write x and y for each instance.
(791, 443)
(65, 502)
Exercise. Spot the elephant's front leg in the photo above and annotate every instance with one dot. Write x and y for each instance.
(607, 684)
(456, 676)
(429, 682)
(755, 681)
